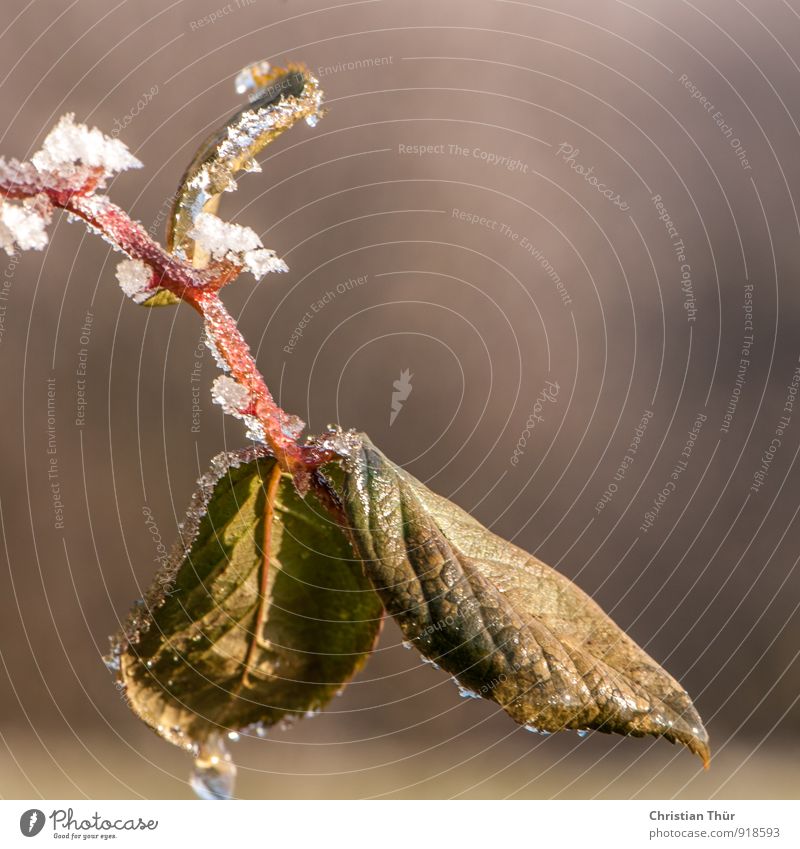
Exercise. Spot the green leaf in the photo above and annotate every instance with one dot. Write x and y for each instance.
(286, 96)
(262, 615)
(161, 298)
(507, 626)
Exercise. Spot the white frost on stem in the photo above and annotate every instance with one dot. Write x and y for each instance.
(230, 395)
(235, 243)
(235, 400)
(22, 226)
(69, 143)
(135, 278)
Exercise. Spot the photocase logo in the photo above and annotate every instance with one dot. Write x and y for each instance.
(402, 389)
(31, 822)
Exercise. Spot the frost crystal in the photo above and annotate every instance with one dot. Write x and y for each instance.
(255, 430)
(212, 346)
(230, 395)
(69, 143)
(344, 443)
(236, 243)
(134, 278)
(220, 238)
(262, 261)
(246, 80)
(22, 226)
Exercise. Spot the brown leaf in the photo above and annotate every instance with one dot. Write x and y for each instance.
(507, 626)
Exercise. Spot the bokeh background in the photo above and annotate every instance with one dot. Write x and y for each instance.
(696, 103)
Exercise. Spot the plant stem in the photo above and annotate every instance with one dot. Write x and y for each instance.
(197, 287)
(226, 336)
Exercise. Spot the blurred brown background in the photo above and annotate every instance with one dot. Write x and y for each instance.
(696, 103)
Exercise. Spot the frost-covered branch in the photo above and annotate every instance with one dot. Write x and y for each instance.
(73, 164)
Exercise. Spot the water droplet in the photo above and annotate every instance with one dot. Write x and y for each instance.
(407, 644)
(463, 691)
(534, 730)
(583, 732)
(112, 662)
(312, 120)
(214, 773)
(233, 736)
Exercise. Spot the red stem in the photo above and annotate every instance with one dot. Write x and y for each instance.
(224, 333)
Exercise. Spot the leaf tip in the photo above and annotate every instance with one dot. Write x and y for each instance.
(696, 741)
(704, 752)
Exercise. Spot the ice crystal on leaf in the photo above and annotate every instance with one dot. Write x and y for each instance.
(230, 395)
(255, 430)
(235, 243)
(69, 143)
(134, 278)
(22, 226)
(249, 79)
